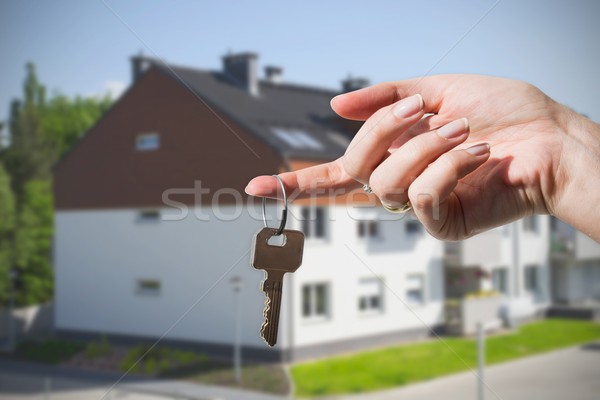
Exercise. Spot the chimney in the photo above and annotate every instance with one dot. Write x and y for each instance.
(243, 69)
(139, 65)
(350, 84)
(273, 74)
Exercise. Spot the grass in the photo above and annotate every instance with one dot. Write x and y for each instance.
(51, 351)
(400, 365)
(158, 360)
(268, 378)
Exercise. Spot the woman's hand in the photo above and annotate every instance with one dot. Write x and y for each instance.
(493, 151)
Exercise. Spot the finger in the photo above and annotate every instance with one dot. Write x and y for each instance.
(323, 179)
(430, 193)
(391, 180)
(370, 145)
(362, 103)
(426, 124)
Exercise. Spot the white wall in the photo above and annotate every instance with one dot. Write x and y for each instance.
(344, 258)
(496, 249)
(99, 256)
(586, 248)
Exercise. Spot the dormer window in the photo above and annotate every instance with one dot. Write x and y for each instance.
(297, 138)
(147, 142)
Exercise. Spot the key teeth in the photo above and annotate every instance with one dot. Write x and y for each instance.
(265, 323)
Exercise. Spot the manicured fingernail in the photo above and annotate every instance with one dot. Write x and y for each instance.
(454, 128)
(409, 106)
(479, 149)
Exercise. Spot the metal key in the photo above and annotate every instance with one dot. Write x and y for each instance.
(275, 260)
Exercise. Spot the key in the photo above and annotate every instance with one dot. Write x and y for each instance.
(275, 260)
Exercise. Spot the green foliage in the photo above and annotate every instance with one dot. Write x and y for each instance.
(158, 360)
(40, 132)
(51, 351)
(395, 366)
(31, 153)
(33, 244)
(7, 224)
(66, 120)
(102, 348)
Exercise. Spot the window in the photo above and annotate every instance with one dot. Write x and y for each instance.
(415, 289)
(530, 224)
(370, 295)
(150, 287)
(149, 216)
(297, 138)
(339, 138)
(500, 280)
(315, 298)
(532, 279)
(147, 142)
(313, 222)
(413, 227)
(368, 229)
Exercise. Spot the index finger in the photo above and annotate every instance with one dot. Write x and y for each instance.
(319, 179)
(361, 104)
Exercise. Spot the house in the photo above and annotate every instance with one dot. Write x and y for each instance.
(152, 222)
(575, 269)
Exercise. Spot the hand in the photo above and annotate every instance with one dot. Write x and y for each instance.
(492, 152)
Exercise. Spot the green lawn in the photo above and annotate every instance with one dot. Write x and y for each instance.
(396, 366)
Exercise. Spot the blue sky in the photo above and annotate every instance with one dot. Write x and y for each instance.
(81, 47)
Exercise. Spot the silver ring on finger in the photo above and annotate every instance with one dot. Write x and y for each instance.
(398, 210)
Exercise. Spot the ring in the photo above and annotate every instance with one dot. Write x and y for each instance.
(367, 188)
(283, 211)
(398, 210)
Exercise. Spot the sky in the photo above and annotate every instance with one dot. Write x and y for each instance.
(83, 47)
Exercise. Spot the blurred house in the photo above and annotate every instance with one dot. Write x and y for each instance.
(151, 213)
(575, 271)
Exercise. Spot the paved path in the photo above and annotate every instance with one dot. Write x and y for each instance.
(570, 374)
(29, 381)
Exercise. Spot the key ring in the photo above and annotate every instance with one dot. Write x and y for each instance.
(283, 211)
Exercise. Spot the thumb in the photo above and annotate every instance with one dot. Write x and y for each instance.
(320, 179)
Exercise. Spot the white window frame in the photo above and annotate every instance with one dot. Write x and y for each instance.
(535, 290)
(143, 141)
(309, 225)
(369, 288)
(409, 287)
(531, 224)
(312, 306)
(368, 229)
(498, 272)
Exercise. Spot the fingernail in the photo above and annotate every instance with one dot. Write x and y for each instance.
(479, 149)
(454, 129)
(409, 106)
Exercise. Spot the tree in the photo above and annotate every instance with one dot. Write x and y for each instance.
(31, 153)
(40, 132)
(33, 244)
(65, 120)
(7, 224)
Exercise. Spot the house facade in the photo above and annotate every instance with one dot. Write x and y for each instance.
(575, 267)
(152, 223)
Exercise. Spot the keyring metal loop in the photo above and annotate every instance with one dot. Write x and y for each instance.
(283, 211)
